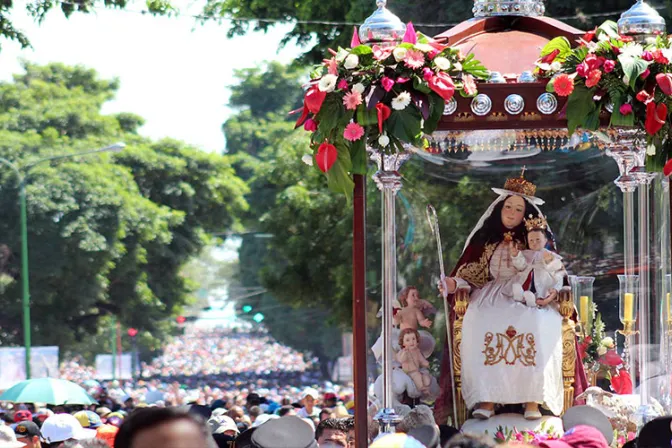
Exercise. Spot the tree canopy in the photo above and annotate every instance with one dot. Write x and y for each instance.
(107, 234)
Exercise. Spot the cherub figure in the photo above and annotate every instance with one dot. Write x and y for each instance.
(412, 360)
(540, 270)
(412, 312)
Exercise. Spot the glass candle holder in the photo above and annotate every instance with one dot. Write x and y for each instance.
(627, 299)
(584, 301)
(667, 301)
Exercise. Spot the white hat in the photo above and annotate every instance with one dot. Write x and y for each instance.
(61, 427)
(263, 418)
(310, 391)
(8, 438)
(221, 424)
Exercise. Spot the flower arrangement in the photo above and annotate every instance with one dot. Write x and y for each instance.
(382, 97)
(608, 71)
(527, 437)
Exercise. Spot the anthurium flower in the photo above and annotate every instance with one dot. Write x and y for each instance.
(655, 117)
(582, 69)
(314, 99)
(353, 132)
(645, 74)
(326, 156)
(667, 169)
(354, 42)
(427, 73)
(387, 83)
(550, 57)
(410, 35)
(609, 65)
(442, 84)
(589, 36)
(664, 81)
(593, 78)
(383, 113)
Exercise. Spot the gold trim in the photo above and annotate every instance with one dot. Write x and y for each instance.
(477, 273)
(510, 348)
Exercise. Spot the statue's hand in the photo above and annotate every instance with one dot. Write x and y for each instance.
(426, 323)
(548, 257)
(552, 295)
(513, 249)
(451, 284)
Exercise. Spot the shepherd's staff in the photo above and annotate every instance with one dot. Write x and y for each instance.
(433, 220)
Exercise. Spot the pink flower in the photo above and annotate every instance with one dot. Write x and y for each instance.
(469, 85)
(609, 65)
(414, 59)
(427, 73)
(343, 84)
(645, 74)
(310, 125)
(625, 109)
(387, 83)
(401, 80)
(647, 56)
(380, 53)
(353, 132)
(332, 66)
(352, 99)
(593, 78)
(564, 85)
(582, 69)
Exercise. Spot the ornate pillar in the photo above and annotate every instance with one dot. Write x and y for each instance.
(389, 183)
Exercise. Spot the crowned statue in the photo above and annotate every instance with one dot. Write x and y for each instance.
(511, 347)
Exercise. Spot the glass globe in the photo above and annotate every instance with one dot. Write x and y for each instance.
(382, 27)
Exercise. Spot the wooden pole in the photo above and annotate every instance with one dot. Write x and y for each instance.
(359, 349)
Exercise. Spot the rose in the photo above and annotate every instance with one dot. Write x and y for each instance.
(399, 53)
(625, 109)
(328, 83)
(442, 63)
(351, 61)
(359, 88)
(310, 125)
(387, 83)
(427, 73)
(647, 56)
(442, 84)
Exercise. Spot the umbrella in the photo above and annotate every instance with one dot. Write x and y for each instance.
(47, 390)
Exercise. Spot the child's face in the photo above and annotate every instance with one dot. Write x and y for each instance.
(412, 298)
(410, 340)
(536, 240)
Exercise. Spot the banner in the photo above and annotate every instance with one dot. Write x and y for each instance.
(43, 364)
(104, 367)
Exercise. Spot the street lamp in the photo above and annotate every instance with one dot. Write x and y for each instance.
(116, 147)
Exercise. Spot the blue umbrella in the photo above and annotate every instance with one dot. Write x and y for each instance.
(47, 390)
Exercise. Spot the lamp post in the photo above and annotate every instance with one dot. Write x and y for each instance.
(21, 176)
(133, 332)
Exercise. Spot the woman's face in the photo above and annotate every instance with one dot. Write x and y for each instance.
(513, 212)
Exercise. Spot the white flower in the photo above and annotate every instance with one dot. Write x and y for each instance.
(626, 80)
(359, 88)
(601, 350)
(327, 83)
(608, 341)
(351, 61)
(632, 50)
(442, 63)
(556, 66)
(667, 52)
(307, 159)
(401, 101)
(383, 140)
(425, 48)
(399, 53)
(651, 150)
(341, 55)
(457, 66)
(603, 37)
(592, 47)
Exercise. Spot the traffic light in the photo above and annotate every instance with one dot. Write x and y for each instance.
(258, 317)
(247, 308)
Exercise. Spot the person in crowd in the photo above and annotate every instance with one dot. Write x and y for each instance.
(419, 416)
(286, 410)
(60, 428)
(28, 433)
(332, 432)
(23, 415)
(284, 432)
(330, 400)
(163, 428)
(471, 441)
(309, 410)
(326, 413)
(8, 438)
(581, 436)
(254, 412)
(92, 443)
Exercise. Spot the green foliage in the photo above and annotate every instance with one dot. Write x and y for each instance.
(108, 235)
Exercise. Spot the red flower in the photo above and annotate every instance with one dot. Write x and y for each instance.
(353, 132)
(609, 66)
(643, 96)
(659, 58)
(655, 117)
(667, 169)
(621, 383)
(589, 36)
(645, 74)
(625, 109)
(383, 113)
(410, 35)
(354, 42)
(611, 358)
(442, 84)
(625, 39)
(582, 69)
(314, 99)
(647, 56)
(310, 125)
(342, 84)
(664, 81)
(326, 156)
(427, 73)
(550, 57)
(563, 84)
(594, 61)
(387, 83)
(593, 78)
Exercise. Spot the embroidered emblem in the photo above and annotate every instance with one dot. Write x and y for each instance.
(477, 273)
(510, 347)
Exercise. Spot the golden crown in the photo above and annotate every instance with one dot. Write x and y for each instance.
(538, 223)
(520, 185)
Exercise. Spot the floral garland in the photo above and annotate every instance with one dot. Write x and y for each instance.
(381, 97)
(608, 71)
(527, 437)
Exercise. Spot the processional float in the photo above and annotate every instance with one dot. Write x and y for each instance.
(518, 107)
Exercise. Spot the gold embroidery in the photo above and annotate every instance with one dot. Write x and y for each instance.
(510, 347)
(477, 273)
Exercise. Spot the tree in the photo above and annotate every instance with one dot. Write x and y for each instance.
(110, 235)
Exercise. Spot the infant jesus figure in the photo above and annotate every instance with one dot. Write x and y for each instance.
(540, 270)
(412, 360)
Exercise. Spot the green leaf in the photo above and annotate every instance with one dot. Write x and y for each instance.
(436, 106)
(580, 106)
(420, 85)
(331, 114)
(610, 28)
(632, 67)
(361, 50)
(617, 118)
(365, 116)
(338, 177)
(559, 43)
(358, 156)
(405, 124)
(550, 86)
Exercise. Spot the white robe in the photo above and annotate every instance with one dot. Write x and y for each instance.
(546, 275)
(520, 367)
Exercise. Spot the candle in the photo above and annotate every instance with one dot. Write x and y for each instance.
(583, 308)
(669, 310)
(628, 302)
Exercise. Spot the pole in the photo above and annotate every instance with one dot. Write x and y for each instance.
(24, 277)
(114, 348)
(359, 349)
(644, 292)
(119, 350)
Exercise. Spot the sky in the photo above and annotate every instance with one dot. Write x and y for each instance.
(173, 72)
